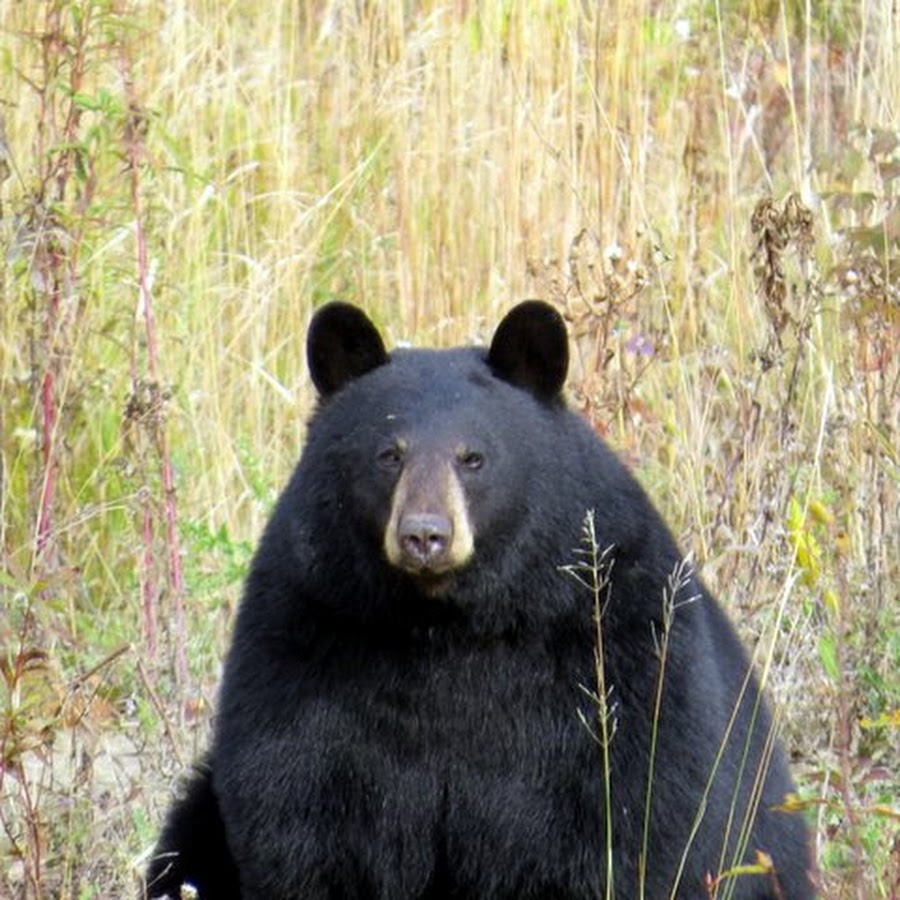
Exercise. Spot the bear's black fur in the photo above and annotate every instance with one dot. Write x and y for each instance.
(409, 704)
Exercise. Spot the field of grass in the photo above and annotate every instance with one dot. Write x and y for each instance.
(709, 190)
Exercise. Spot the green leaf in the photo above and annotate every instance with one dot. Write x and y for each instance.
(829, 657)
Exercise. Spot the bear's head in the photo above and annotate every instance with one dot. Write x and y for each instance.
(435, 452)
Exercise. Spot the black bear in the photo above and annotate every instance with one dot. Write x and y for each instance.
(438, 689)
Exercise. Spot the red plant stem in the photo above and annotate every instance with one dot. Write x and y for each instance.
(33, 859)
(172, 543)
(51, 341)
(147, 592)
(54, 259)
(168, 478)
(146, 574)
(133, 150)
(845, 718)
(48, 426)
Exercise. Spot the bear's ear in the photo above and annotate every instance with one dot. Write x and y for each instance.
(530, 349)
(341, 344)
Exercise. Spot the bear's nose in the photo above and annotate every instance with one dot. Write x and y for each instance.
(424, 540)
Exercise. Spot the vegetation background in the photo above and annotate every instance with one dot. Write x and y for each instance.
(709, 190)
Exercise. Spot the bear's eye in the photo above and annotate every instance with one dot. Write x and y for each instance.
(391, 458)
(471, 459)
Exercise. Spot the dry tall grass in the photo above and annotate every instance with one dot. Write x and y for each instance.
(709, 189)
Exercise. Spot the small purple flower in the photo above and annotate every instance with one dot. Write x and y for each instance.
(640, 345)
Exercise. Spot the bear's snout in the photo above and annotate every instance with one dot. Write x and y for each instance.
(428, 531)
(425, 540)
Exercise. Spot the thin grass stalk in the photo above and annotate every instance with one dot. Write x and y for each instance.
(726, 865)
(678, 579)
(704, 797)
(607, 724)
(753, 801)
(594, 574)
